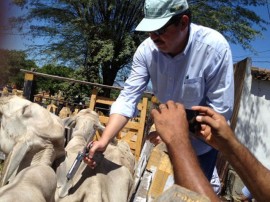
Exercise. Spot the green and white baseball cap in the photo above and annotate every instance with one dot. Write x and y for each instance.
(159, 12)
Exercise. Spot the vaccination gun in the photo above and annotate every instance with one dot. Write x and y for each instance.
(77, 162)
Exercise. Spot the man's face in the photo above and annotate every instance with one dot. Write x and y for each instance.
(172, 40)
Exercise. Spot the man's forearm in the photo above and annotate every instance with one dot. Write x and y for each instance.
(187, 171)
(115, 124)
(254, 175)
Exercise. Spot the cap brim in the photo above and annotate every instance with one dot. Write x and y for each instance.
(149, 25)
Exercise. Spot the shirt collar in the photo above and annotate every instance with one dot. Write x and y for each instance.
(190, 37)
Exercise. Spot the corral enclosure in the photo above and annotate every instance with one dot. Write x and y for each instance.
(249, 91)
(134, 131)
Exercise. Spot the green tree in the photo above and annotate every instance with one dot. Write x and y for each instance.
(51, 85)
(76, 92)
(72, 92)
(94, 34)
(99, 36)
(10, 64)
(234, 19)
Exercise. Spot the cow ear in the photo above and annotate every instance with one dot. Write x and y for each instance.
(26, 111)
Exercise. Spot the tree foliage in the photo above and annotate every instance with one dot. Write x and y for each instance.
(95, 34)
(10, 64)
(234, 19)
(99, 36)
(51, 85)
(72, 92)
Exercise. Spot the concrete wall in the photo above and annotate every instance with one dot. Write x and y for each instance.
(253, 124)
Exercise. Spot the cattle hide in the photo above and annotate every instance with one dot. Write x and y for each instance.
(110, 181)
(33, 184)
(84, 123)
(29, 135)
(33, 138)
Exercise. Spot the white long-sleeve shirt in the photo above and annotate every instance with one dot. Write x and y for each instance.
(201, 75)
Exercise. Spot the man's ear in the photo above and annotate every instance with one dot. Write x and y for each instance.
(184, 22)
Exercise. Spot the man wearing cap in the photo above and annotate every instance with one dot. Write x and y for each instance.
(186, 63)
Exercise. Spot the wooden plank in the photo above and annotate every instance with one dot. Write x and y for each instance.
(93, 99)
(159, 159)
(158, 184)
(130, 124)
(240, 69)
(27, 88)
(135, 127)
(140, 134)
(142, 162)
(145, 183)
(140, 105)
(105, 101)
(239, 79)
(29, 77)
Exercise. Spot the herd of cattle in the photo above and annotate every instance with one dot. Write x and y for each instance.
(38, 157)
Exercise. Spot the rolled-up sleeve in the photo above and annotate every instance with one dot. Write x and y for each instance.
(220, 84)
(135, 85)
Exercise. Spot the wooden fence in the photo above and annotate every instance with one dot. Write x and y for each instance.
(134, 131)
(222, 164)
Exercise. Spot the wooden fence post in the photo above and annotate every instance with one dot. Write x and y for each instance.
(28, 85)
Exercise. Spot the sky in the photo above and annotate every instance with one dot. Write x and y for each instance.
(260, 58)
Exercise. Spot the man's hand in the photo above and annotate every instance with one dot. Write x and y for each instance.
(220, 133)
(96, 146)
(171, 122)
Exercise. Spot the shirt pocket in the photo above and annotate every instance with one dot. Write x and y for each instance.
(193, 90)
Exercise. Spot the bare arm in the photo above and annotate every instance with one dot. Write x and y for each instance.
(187, 171)
(171, 124)
(115, 124)
(251, 171)
(254, 175)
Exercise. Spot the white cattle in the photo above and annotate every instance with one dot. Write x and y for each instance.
(33, 184)
(33, 139)
(84, 123)
(110, 181)
(29, 135)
